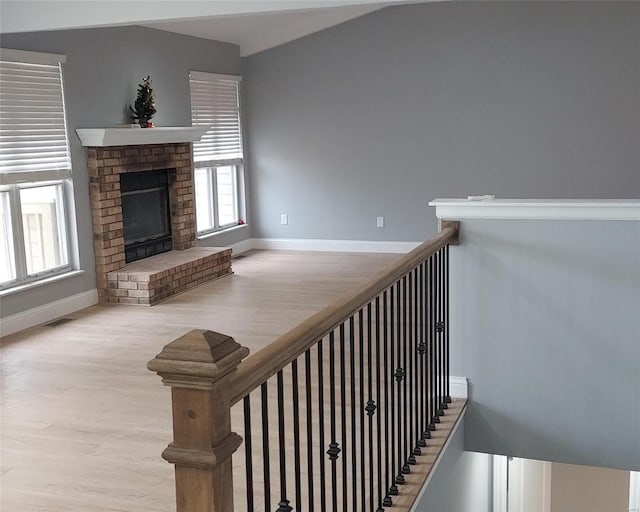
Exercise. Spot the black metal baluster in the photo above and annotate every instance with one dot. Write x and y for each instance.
(427, 361)
(248, 451)
(343, 422)
(446, 326)
(440, 338)
(283, 505)
(393, 489)
(406, 446)
(416, 364)
(371, 406)
(265, 449)
(422, 349)
(363, 489)
(441, 327)
(296, 433)
(323, 487)
(432, 355)
(399, 375)
(445, 332)
(378, 411)
(419, 357)
(388, 461)
(310, 468)
(334, 449)
(436, 320)
(352, 374)
(436, 338)
(411, 459)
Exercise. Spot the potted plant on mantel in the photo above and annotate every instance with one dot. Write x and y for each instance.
(145, 104)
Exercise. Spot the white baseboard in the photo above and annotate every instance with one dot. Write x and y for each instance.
(317, 244)
(241, 246)
(25, 319)
(458, 387)
(47, 312)
(320, 244)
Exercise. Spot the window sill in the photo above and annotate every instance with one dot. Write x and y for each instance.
(41, 282)
(204, 236)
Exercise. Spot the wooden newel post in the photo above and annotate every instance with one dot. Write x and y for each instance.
(199, 367)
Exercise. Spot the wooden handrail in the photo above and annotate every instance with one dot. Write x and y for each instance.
(265, 363)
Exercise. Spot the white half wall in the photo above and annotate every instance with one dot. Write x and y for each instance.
(545, 325)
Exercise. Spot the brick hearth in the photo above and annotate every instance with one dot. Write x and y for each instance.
(105, 166)
(151, 280)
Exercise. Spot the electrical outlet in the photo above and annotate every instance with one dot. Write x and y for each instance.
(379, 222)
(284, 219)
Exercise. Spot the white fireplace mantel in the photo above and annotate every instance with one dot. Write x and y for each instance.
(487, 207)
(100, 137)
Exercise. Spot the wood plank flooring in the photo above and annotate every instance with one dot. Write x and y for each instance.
(84, 422)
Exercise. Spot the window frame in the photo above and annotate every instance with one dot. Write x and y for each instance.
(212, 195)
(22, 275)
(12, 183)
(10, 246)
(213, 164)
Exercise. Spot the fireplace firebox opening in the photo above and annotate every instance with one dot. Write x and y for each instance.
(146, 214)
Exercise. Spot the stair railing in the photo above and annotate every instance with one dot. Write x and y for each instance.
(333, 413)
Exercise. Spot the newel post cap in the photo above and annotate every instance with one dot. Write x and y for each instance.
(198, 359)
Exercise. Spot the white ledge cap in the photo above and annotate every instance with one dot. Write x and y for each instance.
(485, 207)
(101, 137)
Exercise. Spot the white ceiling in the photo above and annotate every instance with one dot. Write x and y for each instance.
(257, 32)
(254, 25)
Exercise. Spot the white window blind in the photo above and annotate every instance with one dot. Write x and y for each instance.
(215, 103)
(33, 136)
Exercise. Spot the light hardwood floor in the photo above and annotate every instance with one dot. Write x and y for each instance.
(83, 420)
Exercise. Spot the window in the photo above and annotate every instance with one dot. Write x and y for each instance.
(35, 168)
(218, 156)
(221, 184)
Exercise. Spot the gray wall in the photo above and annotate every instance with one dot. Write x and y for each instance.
(101, 75)
(545, 324)
(383, 113)
(462, 481)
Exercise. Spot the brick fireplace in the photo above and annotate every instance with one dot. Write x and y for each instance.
(149, 280)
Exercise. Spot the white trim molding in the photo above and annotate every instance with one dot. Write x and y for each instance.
(101, 137)
(321, 245)
(47, 312)
(634, 491)
(241, 247)
(8, 54)
(500, 479)
(222, 232)
(313, 244)
(458, 387)
(208, 77)
(484, 207)
(547, 468)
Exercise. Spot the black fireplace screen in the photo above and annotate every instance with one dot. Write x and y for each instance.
(145, 213)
